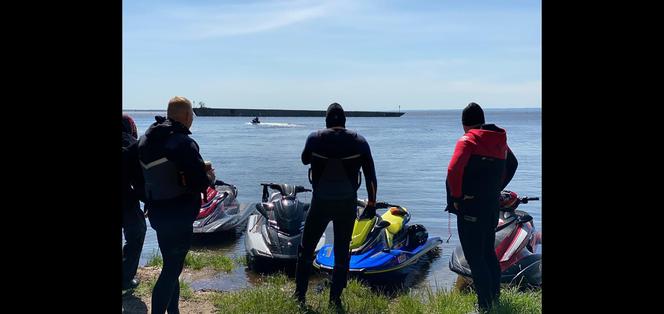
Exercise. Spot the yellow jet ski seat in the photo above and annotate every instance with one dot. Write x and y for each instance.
(395, 217)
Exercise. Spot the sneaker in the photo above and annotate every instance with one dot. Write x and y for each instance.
(130, 287)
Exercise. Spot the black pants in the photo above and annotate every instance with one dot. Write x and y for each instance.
(478, 243)
(133, 227)
(342, 213)
(174, 238)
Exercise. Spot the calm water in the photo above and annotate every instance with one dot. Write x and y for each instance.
(411, 154)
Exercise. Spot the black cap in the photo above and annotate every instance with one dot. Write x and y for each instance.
(472, 115)
(335, 116)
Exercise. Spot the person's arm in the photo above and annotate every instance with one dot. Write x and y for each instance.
(135, 172)
(511, 164)
(306, 152)
(189, 161)
(369, 173)
(462, 152)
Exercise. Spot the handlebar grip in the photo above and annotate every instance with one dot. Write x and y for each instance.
(382, 205)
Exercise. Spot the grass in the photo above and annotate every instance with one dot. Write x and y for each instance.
(155, 260)
(145, 287)
(216, 261)
(186, 293)
(273, 296)
(199, 260)
(241, 260)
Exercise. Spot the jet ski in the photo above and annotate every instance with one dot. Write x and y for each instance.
(221, 211)
(255, 121)
(274, 233)
(517, 246)
(382, 244)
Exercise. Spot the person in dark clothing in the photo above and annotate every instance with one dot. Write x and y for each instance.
(336, 155)
(133, 220)
(175, 176)
(482, 165)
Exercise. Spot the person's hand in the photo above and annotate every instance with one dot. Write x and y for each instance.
(212, 177)
(369, 212)
(456, 206)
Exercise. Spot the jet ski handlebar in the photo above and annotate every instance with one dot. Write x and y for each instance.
(220, 183)
(525, 199)
(379, 205)
(299, 188)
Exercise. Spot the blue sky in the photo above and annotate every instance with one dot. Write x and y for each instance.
(366, 55)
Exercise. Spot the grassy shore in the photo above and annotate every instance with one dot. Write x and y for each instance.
(202, 259)
(273, 294)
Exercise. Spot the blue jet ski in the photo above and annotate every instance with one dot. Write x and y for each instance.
(382, 244)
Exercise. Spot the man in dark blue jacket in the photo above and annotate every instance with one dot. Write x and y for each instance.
(336, 155)
(175, 176)
(133, 220)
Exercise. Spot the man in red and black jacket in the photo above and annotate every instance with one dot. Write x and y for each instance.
(482, 165)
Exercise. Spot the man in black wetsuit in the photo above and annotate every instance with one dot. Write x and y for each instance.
(482, 165)
(336, 155)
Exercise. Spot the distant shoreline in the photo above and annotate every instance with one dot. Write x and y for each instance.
(143, 110)
(457, 109)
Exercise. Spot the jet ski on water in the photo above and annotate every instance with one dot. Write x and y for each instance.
(222, 211)
(517, 246)
(383, 243)
(255, 121)
(275, 232)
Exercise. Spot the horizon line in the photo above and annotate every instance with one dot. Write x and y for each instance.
(416, 109)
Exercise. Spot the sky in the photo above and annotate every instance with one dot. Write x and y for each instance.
(363, 54)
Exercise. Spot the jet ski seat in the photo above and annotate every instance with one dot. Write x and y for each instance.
(395, 217)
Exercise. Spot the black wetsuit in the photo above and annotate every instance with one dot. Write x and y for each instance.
(133, 220)
(336, 156)
(171, 217)
(482, 165)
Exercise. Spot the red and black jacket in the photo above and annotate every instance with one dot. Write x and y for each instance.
(482, 165)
